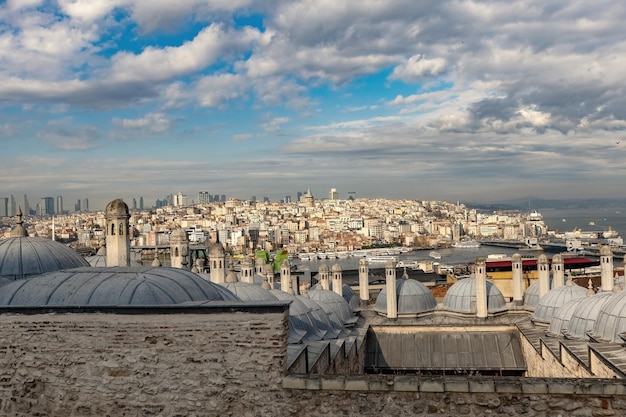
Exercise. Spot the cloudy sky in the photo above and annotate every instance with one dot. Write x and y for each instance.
(451, 100)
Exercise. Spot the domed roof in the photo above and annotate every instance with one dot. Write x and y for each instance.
(531, 295)
(249, 292)
(114, 286)
(554, 299)
(330, 324)
(611, 321)
(412, 297)
(302, 325)
(347, 293)
(24, 257)
(606, 251)
(322, 268)
(585, 315)
(558, 258)
(116, 208)
(461, 297)
(178, 236)
(562, 317)
(333, 303)
(336, 268)
(216, 250)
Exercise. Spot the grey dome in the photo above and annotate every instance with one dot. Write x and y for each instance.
(585, 316)
(347, 293)
(531, 295)
(325, 322)
(461, 297)
(412, 297)
(554, 299)
(562, 317)
(302, 325)
(25, 257)
(114, 286)
(333, 303)
(611, 321)
(117, 208)
(249, 292)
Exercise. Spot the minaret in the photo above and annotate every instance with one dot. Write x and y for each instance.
(247, 272)
(322, 273)
(285, 277)
(544, 275)
(337, 279)
(364, 291)
(179, 249)
(518, 284)
(392, 302)
(481, 289)
(558, 271)
(117, 239)
(217, 263)
(606, 268)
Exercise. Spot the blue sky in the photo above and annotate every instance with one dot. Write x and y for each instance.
(452, 100)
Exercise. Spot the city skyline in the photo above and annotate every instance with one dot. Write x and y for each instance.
(453, 101)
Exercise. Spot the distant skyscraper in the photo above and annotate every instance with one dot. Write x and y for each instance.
(333, 194)
(351, 195)
(287, 199)
(298, 195)
(12, 206)
(223, 198)
(266, 199)
(180, 200)
(4, 207)
(59, 207)
(26, 205)
(203, 197)
(85, 204)
(253, 198)
(134, 203)
(46, 206)
(140, 203)
(77, 206)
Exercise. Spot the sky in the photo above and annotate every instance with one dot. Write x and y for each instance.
(433, 100)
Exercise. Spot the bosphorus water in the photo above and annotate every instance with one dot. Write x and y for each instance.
(590, 219)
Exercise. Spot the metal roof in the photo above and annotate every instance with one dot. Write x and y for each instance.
(249, 292)
(412, 297)
(113, 286)
(611, 321)
(554, 299)
(445, 351)
(586, 313)
(461, 297)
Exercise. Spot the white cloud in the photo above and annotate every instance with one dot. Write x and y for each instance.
(150, 123)
(274, 124)
(417, 67)
(63, 135)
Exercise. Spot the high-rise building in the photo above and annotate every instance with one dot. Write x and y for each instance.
(4, 207)
(140, 203)
(134, 203)
(26, 206)
(180, 200)
(85, 204)
(223, 198)
(59, 207)
(46, 206)
(351, 195)
(333, 194)
(253, 198)
(77, 206)
(287, 199)
(203, 197)
(298, 195)
(12, 206)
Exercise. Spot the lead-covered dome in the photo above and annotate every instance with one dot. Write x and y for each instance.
(585, 315)
(25, 257)
(117, 208)
(333, 303)
(249, 292)
(531, 295)
(412, 297)
(554, 299)
(611, 321)
(114, 286)
(461, 297)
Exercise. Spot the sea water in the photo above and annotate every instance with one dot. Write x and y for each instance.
(592, 219)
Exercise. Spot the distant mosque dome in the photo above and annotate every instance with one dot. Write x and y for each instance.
(461, 297)
(178, 235)
(114, 286)
(554, 299)
(412, 297)
(99, 259)
(611, 321)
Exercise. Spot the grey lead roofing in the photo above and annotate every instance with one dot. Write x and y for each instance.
(113, 286)
(442, 351)
(24, 257)
(461, 297)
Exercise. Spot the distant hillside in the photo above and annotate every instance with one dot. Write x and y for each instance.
(526, 204)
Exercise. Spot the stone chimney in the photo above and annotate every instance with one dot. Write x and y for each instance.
(606, 268)
(558, 271)
(544, 275)
(518, 284)
(285, 277)
(323, 275)
(480, 275)
(337, 279)
(364, 290)
(392, 302)
(247, 271)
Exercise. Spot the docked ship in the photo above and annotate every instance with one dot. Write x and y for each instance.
(466, 244)
(382, 258)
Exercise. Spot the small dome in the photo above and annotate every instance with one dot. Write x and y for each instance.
(333, 303)
(412, 297)
(322, 268)
(554, 299)
(336, 268)
(542, 259)
(330, 324)
(461, 297)
(531, 295)
(114, 286)
(562, 317)
(516, 257)
(117, 208)
(586, 313)
(557, 259)
(216, 250)
(611, 321)
(178, 236)
(249, 292)
(25, 257)
(347, 293)
(302, 324)
(606, 251)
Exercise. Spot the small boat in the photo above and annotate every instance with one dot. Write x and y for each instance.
(435, 255)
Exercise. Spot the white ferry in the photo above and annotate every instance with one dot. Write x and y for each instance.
(382, 258)
(466, 244)
(435, 255)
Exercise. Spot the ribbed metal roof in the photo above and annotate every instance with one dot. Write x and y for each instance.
(24, 257)
(333, 303)
(562, 317)
(554, 299)
(461, 297)
(302, 324)
(612, 319)
(347, 293)
(114, 286)
(412, 297)
(330, 324)
(249, 292)
(531, 295)
(585, 316)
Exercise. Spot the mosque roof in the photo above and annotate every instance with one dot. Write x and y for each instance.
(611, 321)
(531, 295)
(412, 297)
(333, 303)
(249, 292)
(562, 317)
(586, 313)
(24, 257)
(117, 207)
(302, 325)
(554, 299)
(113, 286)
(461, 297)
(327, 322)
